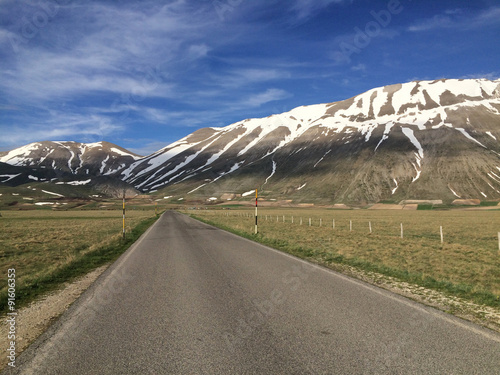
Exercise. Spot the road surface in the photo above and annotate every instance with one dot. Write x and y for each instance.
(191, 299)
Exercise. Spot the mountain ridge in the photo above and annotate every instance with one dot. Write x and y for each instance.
(422, 139)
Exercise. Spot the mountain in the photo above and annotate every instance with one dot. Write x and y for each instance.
(101, 158)
(418, 140)
(13, 175)
(71, 163)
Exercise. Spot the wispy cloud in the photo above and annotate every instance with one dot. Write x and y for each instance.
(457, 18)
(359, 68)
(346, 45)
(488, 75)
(438, 21)
(129, 69)
(269, 95)
(90, 128)
(306, 8)
(109, 58)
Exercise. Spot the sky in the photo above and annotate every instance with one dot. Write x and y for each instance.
(143, 74)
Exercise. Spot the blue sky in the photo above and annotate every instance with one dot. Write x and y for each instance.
(143, 74)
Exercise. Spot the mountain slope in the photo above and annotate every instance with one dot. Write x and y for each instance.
(418, 140)
(101, 158)
(422, 139)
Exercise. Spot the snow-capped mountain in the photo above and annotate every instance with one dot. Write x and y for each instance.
(422, 139)
(95, 159)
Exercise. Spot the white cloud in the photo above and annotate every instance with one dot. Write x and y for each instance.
(106, 53)
(457, 18)
(453, 11)
(90, 128)
(492, 76)
(269, 95)
(198, 51)
(359, 68)
(438, 21)
(306, 8)
(243, 77)
(149, 146)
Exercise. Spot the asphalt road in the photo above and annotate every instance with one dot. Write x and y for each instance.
(191, 299)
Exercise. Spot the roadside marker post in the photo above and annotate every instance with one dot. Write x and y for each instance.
(123, 224)
(256, 212)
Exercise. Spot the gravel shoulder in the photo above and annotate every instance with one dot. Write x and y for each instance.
(34, 319)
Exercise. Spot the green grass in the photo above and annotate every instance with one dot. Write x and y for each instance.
(425, 207)
(48, 248)
(466, 265)
(488, 204)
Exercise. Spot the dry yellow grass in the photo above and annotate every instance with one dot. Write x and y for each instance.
(36, 243)
(468, 256)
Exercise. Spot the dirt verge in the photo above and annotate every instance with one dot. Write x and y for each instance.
(33, 320)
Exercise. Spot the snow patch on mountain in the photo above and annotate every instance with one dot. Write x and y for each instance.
(467, 135)
(248, 193)
(272, 173)
(9, 176)
(52, 193)
(396, 188)
(420, 155)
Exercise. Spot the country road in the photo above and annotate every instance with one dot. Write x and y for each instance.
(188, 298)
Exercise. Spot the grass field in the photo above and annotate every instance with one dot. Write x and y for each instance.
(467, 264)
(48, 247)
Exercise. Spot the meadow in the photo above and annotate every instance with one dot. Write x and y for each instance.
(465, 264)
(47, 247)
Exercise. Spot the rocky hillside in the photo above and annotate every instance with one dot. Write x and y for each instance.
(428, 139)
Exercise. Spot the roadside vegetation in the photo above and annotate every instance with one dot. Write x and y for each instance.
(466, 264)
(48, 248)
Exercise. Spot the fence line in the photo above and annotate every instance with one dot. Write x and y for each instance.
(319, 224)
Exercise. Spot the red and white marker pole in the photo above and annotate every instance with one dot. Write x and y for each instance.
(123, 226)
(256, 205)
